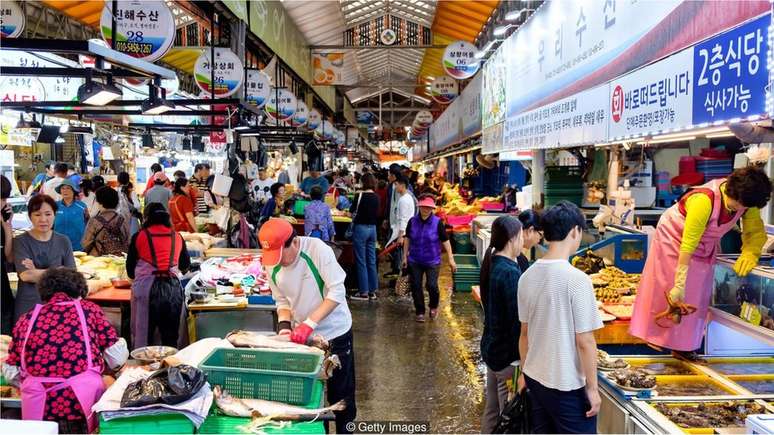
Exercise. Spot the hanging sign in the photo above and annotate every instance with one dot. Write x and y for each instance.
(325, 130)
(339, 138)
(12, 19)
(328, 68)
(459, 60)
(388, 36)
(258, 86)
(314, 119)
(229, 73)
(444, 89)
(287, 104)
(424, 118)
(16, 89)
(145, 29)
(301, 116)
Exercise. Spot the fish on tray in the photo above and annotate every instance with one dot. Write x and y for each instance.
(275, 411)
(316, 343)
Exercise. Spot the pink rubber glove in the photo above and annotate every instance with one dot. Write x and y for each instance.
(302, 332)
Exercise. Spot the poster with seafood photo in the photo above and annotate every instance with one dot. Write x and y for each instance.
(327, 68)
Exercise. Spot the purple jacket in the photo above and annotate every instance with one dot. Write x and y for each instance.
(424, 246)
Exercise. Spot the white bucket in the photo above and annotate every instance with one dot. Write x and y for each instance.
(222, 185)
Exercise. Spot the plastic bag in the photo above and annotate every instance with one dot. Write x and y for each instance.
(515, 415)
(403, 284)
(169, 386)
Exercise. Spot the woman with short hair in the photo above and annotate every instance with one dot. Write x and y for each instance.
(108, 232)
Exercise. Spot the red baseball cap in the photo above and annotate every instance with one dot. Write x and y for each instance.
(426, 202)
(272, 237)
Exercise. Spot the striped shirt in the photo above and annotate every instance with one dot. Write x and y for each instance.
(557, 301)
(201, 186)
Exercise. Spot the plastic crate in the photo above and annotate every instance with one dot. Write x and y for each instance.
(217, 423)
(461, 244)
(280, 376)
(465, 261)
(172, 423)
(464, 286)
(299, 207)
(260, 300)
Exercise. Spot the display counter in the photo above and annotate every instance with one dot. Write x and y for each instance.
(217, 320)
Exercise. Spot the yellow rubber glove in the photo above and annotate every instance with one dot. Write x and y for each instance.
(678, 291)
(745, 263)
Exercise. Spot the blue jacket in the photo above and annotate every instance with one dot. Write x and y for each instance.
(71, 221)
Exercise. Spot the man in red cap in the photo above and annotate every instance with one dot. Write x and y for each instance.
(307, 284)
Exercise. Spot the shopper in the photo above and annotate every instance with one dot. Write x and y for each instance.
(107, 233)
(424, 236)
(155, 169)
(558, 314)
(677, 282)
(181, 208)
(38, 250)
(274, 205)
(41, 178)
(308, 286)
(49, 188)
(88, 198)
(73, 175)
(404, 210)
(365, 217)
(6, 257)
(128, 202)
(71, 214)
(500, 275)
(532, 230)
(159, 192)
(59, 370)
(314, 179)
(157, 256)
(318, 221)
(261, 187)
(199, 182)
(98, 181)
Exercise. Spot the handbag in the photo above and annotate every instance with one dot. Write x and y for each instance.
(351, 227)
(403, 284)
(515, 415)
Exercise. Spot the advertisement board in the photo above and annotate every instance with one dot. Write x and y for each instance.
(470, 102)
(493, 89)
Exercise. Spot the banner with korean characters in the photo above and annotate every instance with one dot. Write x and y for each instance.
(145, 29)
(12, 19)
(444, 89)
(459, 60)
(28, 88)
(258, 87)
(730, 73)
(493, 89)
(229, 73)
(652, 99)
(573, 121)
(287, 104)
(492, 138)
(470, 100)
(301, 116)
(313, 119)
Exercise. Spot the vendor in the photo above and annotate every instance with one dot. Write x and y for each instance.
(314, 179)
(157, 256)
(181, 207)
(307, 284)
(261, 187)
(37, 250)
(71, 214)
(274, 204)
(674, 294)
(58, 371)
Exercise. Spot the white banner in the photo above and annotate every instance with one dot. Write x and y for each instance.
(26, 88)
(654, 98)
(577, 120)
(470, 100)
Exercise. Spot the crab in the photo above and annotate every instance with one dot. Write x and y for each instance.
(674, 312)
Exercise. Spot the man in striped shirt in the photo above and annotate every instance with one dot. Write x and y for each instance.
(199, 181)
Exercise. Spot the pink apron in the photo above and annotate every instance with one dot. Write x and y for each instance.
(87, 386)
(659, 276)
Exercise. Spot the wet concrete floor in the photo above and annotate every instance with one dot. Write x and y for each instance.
(409, 371)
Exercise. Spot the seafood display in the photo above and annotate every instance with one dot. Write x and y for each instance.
(611, 284)
(604, 362)
(632, 379)
(589, 262)
(621, 311)
(236, 407)
(709, 415)
(153, 353)
(315, 344)
(700, 387)
(758, 387)
(664, 368)
(743, 368)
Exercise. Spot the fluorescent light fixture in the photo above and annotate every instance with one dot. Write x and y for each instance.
(98, 94)
(718, 135)
(515, 15)
(59, 139)
(489, 45)
(675, 139)
(500, 31)
(480, 54)
(156, 106)
(242, 127)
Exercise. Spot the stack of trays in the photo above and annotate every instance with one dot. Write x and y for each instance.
(468, 272)
(714, 168)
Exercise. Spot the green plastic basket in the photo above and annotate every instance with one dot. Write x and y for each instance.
(461, 244)
(280, 376)
(172, 423)
(465, 261)
(300, 206)
(555, 199)
(217, 423)
(464, 286)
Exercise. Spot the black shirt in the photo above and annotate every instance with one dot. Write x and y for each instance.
(368, 212)
(500, 340)
(442, 235)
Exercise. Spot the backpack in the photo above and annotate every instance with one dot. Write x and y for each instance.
(109, 239)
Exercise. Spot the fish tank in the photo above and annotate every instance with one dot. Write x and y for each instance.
(756, 289)
(709, 416)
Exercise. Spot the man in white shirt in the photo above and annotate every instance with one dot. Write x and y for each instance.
(558, 314)
(307, 284)
(261, 187)
(405, 209)
(49, 188)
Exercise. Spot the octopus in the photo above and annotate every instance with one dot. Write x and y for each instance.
(675, 312)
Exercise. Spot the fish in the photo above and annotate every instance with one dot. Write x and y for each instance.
(315, 344)
(275, 411)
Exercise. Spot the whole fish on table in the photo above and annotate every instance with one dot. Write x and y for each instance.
(276, 411)
(316, 343)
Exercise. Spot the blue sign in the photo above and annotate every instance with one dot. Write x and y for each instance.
(730, 73)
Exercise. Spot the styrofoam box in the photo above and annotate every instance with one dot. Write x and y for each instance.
(644, 176)
(644, 197)
(759, 423)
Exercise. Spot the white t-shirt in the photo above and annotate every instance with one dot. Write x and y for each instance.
(260, 189)
(49, 188)
(557, 301)
(405, 210)
(296, 287)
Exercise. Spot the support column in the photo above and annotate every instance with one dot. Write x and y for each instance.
(538, 176)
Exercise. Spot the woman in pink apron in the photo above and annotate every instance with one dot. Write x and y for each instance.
(674, 294)
(57, 354)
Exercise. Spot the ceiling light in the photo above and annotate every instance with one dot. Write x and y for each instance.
(501, 30)
(515, 15)
(156, 105)
(98, 94)
(480, 54)
(59, 139)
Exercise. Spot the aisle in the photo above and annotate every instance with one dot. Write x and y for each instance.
(408, 371)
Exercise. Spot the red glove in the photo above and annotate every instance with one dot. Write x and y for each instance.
(302, 332)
